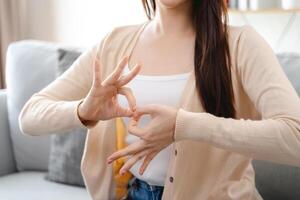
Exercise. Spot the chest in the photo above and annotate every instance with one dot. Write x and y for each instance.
(163, 56)
(160, 89)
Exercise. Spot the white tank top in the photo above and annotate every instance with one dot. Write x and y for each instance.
(165, 90)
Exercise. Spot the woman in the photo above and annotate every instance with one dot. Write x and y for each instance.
(216, 95)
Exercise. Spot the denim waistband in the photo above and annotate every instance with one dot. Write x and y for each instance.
(135, 182)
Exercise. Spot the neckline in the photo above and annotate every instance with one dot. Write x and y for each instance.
(136, 40)
(191, 78)
(170, 77)
(139, 33)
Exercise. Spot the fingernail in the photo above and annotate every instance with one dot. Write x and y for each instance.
(122, 172)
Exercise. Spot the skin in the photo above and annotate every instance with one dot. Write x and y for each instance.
(169, 35)
(156, 136)
(101, 101)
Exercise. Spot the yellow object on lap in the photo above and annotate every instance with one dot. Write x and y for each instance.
(120, 180)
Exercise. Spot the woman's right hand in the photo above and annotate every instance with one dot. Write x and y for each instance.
(101, 101)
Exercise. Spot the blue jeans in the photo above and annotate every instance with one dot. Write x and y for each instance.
(141, 190)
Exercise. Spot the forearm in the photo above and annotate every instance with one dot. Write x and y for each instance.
(43, 115)
(275, 140)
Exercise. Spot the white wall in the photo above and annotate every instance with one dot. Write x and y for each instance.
(84, 22)
(280, 29)
(79, 22)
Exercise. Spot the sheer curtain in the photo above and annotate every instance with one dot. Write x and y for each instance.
(12, 25)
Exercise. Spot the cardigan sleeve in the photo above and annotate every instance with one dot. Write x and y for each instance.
(54, 108)
(276, 136)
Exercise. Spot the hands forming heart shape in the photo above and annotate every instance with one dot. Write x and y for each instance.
(101, 104)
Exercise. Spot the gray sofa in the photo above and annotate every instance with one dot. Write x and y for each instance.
(24, 159)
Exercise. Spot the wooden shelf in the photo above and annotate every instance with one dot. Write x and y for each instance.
(271, 10)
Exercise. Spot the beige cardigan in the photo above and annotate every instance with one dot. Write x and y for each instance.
(213, 154)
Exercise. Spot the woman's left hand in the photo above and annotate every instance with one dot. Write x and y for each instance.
(154, 137)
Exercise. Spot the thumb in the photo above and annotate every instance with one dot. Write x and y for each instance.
(149, 109)
(124, 112)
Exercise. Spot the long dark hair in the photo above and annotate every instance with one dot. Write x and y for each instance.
(212, 56)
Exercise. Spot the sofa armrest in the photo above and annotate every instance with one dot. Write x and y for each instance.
(7, 163)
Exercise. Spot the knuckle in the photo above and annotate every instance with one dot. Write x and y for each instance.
(148, 144)
(126, 90)
(121, 154)
(125, 152)
(152, 156)
(130, 129)
(122, 77)
(146, 137)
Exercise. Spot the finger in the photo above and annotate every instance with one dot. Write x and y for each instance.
(149, 109)
(96, 73)
(135, 130)
(123, 112)
(129, 163)
(127, 92)
(115, 75)
(128, 77)
(129, 150)
(146, 162)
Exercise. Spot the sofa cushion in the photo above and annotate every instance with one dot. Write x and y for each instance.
(30, 67)
(33, 186)
(66, 148)
(290, 63)
(276, 181)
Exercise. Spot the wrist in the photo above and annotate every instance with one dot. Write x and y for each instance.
(84, 121)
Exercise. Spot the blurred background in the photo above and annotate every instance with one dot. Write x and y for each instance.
(40, 39)
(84, 22)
